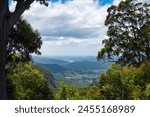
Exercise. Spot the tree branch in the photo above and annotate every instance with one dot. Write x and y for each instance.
(19, 11)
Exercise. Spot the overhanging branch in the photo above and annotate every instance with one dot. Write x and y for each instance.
(20, 8)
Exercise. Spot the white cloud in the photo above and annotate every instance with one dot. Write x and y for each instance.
(61, 41)
(147, 1)
(78, 19)
(69, 50)
(77, 25)
(12, 6)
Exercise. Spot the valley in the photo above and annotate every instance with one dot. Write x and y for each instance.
(80, 71)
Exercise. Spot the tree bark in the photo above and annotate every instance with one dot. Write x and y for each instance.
(3, 89)
(3, 38)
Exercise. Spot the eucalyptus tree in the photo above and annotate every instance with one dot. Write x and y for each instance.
(7, 20)
(128, 33)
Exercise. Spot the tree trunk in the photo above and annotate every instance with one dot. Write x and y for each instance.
(3, 38)
(3, 42)
(3, 89)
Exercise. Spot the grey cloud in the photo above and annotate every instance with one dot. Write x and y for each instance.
(68, 21)
(75, 32)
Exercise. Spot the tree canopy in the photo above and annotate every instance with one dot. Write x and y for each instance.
(26, 82)
(128, 83)
(128, 33)
(23, 40)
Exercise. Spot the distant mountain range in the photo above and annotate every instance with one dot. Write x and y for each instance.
(54, 68)
(80, 71)
(60, 64)
(47, 60)
(87, 65)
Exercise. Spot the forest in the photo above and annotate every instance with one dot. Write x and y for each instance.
(125, 74)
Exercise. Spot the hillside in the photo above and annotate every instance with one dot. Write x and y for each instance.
(47, 74)
(54, 68)
(87, 65)
(80, 71)
(47, 60)
(60, 64)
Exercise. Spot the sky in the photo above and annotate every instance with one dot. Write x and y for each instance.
(70, 28)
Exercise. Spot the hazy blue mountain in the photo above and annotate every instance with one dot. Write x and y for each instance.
(80, 71)
(76, 58)
(59, 64)
(54, 68)
(47, 60)
(88, 65)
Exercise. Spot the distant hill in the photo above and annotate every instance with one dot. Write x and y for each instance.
(54, 68)
(81, 71)
(47, 74)
(47, 60)
(88, 65)
(76, 58)
(60, 64)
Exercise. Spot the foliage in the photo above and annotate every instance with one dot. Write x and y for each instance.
(47, 74)
(147, 92)
(24, 82)
(126, 83)
(23, 40)
(128, 32)
(70, 92)
(66, 92)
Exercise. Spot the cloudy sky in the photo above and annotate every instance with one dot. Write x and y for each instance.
(73, 28)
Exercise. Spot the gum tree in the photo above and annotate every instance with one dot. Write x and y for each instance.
(128, 33)
(7, 20)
